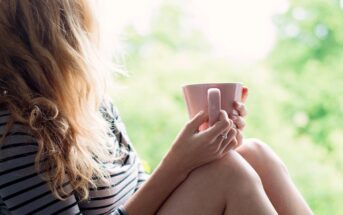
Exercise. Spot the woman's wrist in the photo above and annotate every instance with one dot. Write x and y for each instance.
(162, 182)
(174, 166)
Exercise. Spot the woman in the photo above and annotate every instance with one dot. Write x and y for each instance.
(64, 149)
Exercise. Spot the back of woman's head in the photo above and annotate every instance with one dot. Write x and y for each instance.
(48, 70)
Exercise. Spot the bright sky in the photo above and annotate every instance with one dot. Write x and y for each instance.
(240, 30)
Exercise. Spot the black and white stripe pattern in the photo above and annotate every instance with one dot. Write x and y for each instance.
(22, 191)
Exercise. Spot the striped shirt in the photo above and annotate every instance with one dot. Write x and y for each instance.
(22, 191)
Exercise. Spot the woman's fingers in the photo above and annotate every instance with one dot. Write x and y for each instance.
(230, 142)
(224, 140)
(238, 121)
(194, 124)
(240, 108)
(219, 127)
(239, 138)
(220, 139)
(233, 144)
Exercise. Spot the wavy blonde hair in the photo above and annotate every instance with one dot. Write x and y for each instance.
(49, 73)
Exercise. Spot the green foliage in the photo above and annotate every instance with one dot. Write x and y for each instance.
(296, 107)
(307, 62)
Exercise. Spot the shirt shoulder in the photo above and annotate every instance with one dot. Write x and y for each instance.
(14, 134)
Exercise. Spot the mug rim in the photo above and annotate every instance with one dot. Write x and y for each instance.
(214, 83)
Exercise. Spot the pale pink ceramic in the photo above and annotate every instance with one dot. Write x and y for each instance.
(211, 97)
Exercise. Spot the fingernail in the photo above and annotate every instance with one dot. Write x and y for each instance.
(232, 116)
(234, 113)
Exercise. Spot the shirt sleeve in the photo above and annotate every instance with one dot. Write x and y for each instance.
(22, 190)
(120, 130)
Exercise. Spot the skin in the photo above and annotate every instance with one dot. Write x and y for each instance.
(277, 183)
(204, 174)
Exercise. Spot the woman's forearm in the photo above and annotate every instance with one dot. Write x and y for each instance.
(155, 191)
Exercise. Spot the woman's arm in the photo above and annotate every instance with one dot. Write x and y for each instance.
(149, 198)
(190, 150)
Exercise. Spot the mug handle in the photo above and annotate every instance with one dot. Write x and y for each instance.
(214, 105)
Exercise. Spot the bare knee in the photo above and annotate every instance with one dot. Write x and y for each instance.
(260, 154)
(229, 173)
(212, 187)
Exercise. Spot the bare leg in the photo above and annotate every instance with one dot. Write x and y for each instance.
(226, 186)
(275, 178)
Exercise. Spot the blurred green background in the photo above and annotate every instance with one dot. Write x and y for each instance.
(295, 86)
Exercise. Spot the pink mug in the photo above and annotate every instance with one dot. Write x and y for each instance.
(211, 98)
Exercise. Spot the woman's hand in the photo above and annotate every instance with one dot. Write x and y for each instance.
(237, 116)
(193, 148)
